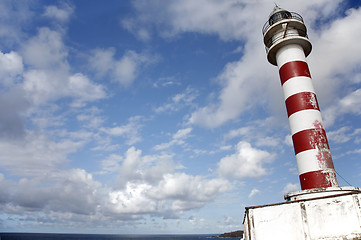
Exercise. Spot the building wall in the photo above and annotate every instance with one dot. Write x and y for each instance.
(330, 217)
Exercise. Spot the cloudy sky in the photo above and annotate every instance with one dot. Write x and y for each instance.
(160, 116)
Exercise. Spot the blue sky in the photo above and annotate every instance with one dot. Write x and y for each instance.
(160, 116)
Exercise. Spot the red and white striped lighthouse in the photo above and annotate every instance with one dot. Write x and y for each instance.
(322, 209)
(287, 46)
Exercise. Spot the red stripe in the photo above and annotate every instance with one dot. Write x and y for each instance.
(310, 139)
(301, 101)
(318, 179)
(294, 69)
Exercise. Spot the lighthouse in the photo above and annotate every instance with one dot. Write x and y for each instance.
(287, 46)
(322, 209)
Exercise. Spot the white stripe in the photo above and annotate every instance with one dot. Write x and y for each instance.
(305, 119)
(307, 161)
(296, 85)
(290, 53)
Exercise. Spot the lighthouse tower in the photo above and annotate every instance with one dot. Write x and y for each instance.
(287, 46)
(322, 209)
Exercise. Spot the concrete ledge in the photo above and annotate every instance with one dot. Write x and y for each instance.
(320, 192)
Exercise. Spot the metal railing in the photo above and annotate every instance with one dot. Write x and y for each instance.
(273, 41)
(274, 20)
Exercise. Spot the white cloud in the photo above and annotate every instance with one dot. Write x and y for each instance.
(241, 90)
(260, 132)
(339, 135)
(268, 141)
(244, 131)
(254, 192)
(12, 117)
(11, 66)
(349, 104)
(111, 163)
(130, 168)
(334, 77)
(102, 60)
(339, 37)
(246, 162)
(174, 194)
(130, 131)
(39, 86)
(177, 139)
(83, 90)
(242, 82)
(182, 133)
(189, 191)
(124, 70)
(12, 19)
(212, 17)
(35, 154)
(42, 86)
(288, 140)
(243, 85)
(352, 102)
(356, 151)
(46, 50)
(344, 134)
(132, 26)
(291, 187)
(49, 78)
(91, 117)
(166, 81)
(178, 101)
(133, 167)
(226, 148)
(133, 200)
(61, 14)
(149, 184)
(72, 192)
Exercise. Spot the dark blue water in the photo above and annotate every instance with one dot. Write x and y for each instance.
(50, 236)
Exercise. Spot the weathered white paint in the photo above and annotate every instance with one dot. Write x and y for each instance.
(304, 120)
(306, 161)
(290, 53)
(327, 217)
(296, 85)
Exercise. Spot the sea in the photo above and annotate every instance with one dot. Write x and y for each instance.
(61, 236)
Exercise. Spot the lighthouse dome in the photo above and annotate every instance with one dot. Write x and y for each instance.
(278, 14)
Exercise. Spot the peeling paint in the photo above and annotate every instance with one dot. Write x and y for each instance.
(319, 140)
(313, 101)
(324, 159)
(318, 124)
(330, 177)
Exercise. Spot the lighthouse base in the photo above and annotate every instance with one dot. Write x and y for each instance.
(336, 215)
(320, 192)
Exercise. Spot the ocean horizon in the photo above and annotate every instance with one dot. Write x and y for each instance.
(70, 236)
